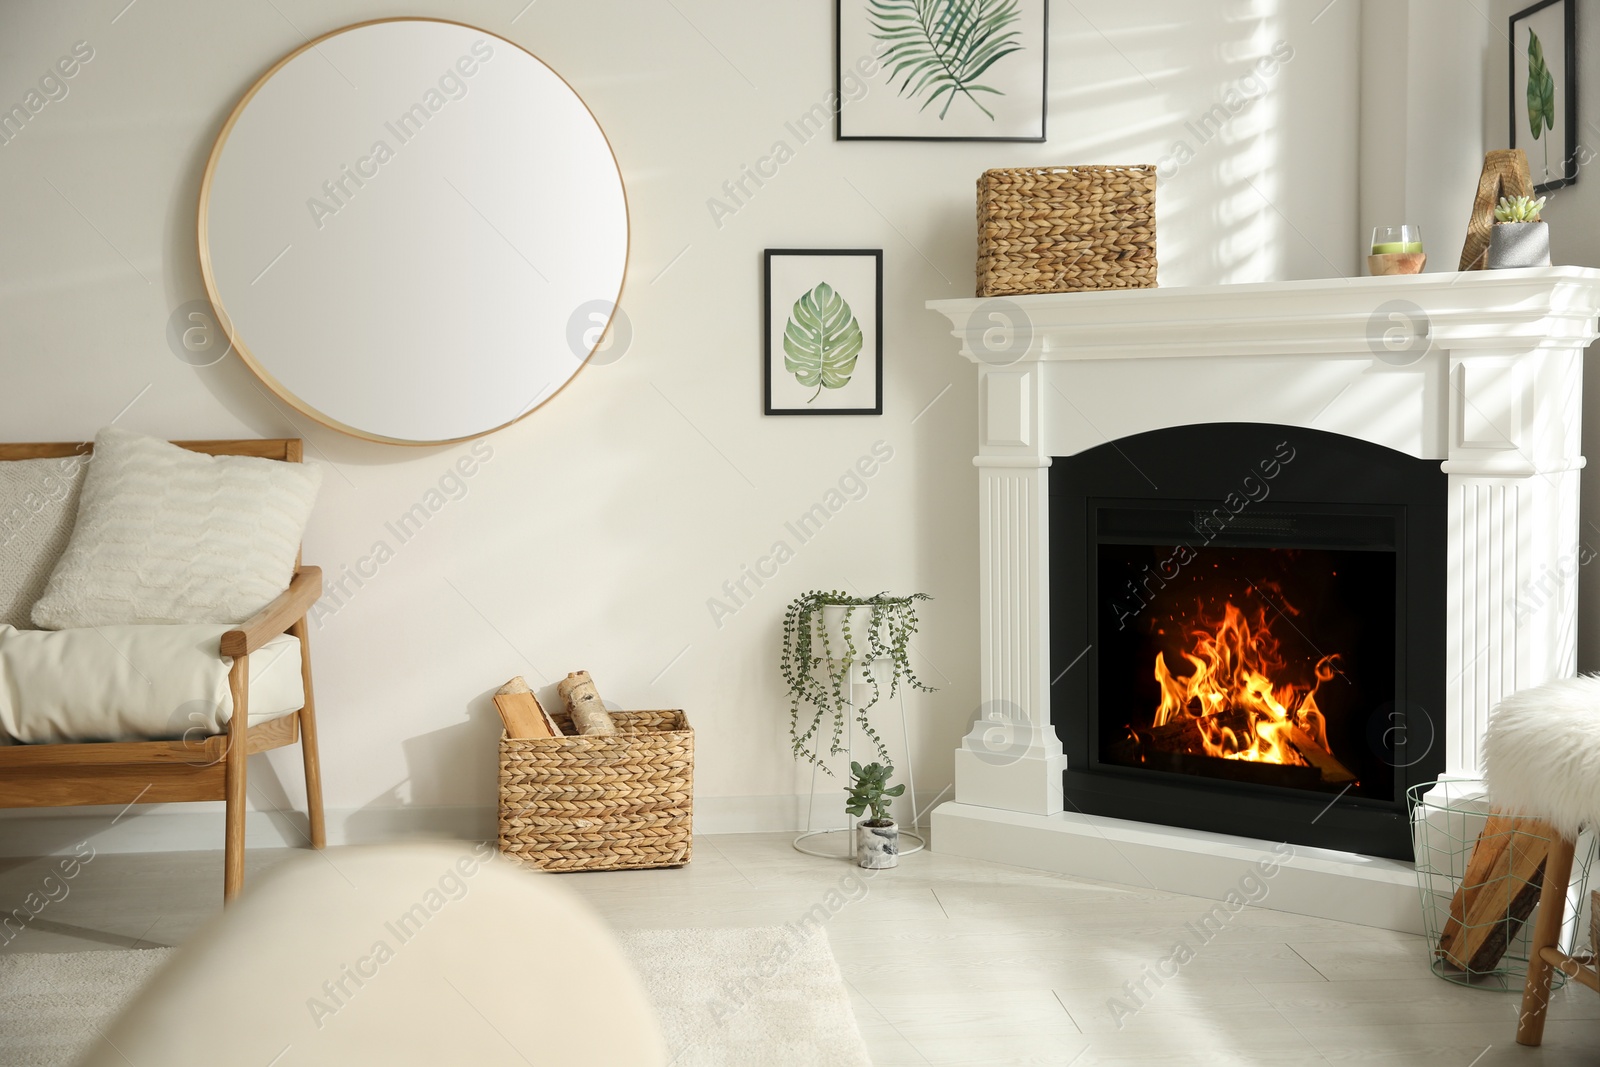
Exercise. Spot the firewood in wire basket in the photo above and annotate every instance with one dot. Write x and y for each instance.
(588, 712)
(1498, 891)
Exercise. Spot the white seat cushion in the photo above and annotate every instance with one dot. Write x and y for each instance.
(165, 535)
(135, 683)
(38, 499)
(1541, 754)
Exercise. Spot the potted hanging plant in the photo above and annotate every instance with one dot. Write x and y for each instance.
(877, 837)
(1519, 238)
(831, 640)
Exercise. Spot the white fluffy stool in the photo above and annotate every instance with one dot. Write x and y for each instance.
(1542, 760)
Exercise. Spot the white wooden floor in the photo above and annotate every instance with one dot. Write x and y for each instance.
(958, 962)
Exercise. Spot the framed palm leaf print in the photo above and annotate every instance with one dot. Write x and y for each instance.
(941, 70)
(823, 350)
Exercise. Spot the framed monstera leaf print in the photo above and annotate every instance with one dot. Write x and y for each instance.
(940, 70)
(824, 332)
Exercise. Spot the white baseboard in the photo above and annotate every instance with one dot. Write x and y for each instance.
(191, 827)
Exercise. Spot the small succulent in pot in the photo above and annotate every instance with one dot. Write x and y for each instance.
(1518, 209)
(1519, 237)
(877, 838)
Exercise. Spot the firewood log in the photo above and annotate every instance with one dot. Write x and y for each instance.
(1333, 772)
(588, 712)
(1497, 893)
(520, 710)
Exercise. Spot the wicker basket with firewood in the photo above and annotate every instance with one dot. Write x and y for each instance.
(600, 790)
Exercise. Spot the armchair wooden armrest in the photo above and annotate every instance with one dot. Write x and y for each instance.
(289, 608)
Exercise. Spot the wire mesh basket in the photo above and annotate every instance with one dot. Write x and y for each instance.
(1480, 874)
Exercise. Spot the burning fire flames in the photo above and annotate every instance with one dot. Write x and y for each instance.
(1236, 707)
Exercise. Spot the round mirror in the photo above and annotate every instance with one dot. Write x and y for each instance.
(413, 230)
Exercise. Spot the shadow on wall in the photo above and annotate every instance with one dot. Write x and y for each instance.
(439, 765)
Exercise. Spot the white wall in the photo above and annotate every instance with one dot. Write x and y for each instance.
(1423, 88)
(601, 526)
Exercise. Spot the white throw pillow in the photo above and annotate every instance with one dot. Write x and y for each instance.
(38, 498)
(165, 535)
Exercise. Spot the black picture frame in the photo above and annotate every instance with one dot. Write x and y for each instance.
(840, 102)
(1567, 92)
(872, 343)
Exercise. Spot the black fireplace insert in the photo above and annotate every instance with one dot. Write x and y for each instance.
(1248, 632)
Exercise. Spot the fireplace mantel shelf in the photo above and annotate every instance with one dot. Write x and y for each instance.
(1540, 306)
(1481, 371)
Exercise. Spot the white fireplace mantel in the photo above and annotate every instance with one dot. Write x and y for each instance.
(1479, 370)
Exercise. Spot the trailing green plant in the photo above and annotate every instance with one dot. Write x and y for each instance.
(941, 47)
(868, 790)
(818, 675)
(1518, 209)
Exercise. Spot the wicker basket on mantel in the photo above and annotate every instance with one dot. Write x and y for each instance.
(1066, 229)
(593, 803)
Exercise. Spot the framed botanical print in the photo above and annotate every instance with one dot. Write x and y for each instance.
(823, 350)
(940, 70)
(1544, 91)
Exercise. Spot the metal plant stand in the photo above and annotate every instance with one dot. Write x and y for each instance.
(801, 843)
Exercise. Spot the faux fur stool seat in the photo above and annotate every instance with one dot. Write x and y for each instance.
(1541, 760)
(1542, 754)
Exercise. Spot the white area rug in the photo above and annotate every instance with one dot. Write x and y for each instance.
(757, 996)
(737, 997)
(54, 1000)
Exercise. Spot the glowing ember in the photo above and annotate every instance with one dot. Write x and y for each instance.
(1238, 701)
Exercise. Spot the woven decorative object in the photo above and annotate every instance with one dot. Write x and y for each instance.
(592, 803)
(1066, 229)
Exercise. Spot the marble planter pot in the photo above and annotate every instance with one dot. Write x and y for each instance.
(877, 844)
(1519, 244)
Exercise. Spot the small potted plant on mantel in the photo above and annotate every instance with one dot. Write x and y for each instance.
(877, 838)
(1519, 238)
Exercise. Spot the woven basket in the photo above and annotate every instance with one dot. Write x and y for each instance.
(1066, 229)
(589, 803)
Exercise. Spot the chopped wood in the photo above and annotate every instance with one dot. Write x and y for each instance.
(1333, 772)
(1181, 737)
(589, 715)
(1497, 893)
(521, 712)
(1487, 853)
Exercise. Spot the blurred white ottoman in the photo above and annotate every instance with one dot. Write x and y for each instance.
(402, 955)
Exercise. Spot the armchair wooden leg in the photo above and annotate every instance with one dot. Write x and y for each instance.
(308, 739)
(1546, 933)
(238, 757)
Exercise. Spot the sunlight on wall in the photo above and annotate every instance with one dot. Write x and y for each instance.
(1243, 194)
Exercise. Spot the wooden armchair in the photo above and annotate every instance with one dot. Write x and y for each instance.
(159, 772)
